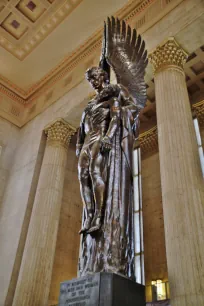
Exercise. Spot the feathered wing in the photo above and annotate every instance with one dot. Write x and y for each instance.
(103, 61)
(125, 53)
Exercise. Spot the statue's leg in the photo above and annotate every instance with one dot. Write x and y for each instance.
(85, 189)
(96, 171)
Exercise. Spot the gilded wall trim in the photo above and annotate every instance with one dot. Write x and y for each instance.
(198, 110)
(11, 94)
(149, 141)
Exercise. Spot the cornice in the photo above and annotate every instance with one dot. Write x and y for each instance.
(11, 94)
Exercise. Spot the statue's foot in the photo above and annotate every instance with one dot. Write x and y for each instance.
(95, 225)
(87, 225)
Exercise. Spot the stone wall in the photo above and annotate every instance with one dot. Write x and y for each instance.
(67, 248)
(15, 216)
(154, 241)
(9, 136)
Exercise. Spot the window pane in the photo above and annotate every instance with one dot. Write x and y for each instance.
(136, 193)
(135, 162)
(201, 158)
(199, 141)
(143, 271)
(140, 190)
(141, 232)
(139, 158)
(137, 232)
(138, 269)
(197, 130)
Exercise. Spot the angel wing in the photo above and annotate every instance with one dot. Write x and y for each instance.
(125, 53)
(103, 62)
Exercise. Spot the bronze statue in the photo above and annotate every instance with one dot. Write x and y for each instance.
(108, 128)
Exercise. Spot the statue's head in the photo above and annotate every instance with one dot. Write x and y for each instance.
(97, 77)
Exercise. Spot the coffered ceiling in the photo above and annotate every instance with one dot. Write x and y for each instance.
(24, 23)
(46, 46)
(36, 35)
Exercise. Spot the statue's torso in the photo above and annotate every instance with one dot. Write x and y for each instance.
(95, 131)
(90, 121)
(100, 106)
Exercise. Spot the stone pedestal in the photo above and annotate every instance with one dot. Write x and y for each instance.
(101, 289)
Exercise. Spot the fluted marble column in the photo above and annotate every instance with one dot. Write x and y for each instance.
(36, 268)
(181, 177)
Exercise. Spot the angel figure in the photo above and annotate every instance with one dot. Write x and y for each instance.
(108, 128)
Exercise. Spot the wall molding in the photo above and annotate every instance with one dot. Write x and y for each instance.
(149, 141)
(198, 111)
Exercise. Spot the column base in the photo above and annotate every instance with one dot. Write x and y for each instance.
(102, 289)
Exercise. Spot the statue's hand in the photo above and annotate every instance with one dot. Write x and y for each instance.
(106, 144)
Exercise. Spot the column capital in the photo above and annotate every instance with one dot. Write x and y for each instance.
(168, 54)
(59, 132)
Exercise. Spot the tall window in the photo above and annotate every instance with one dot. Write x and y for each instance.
(138, 220)
(199, 142)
